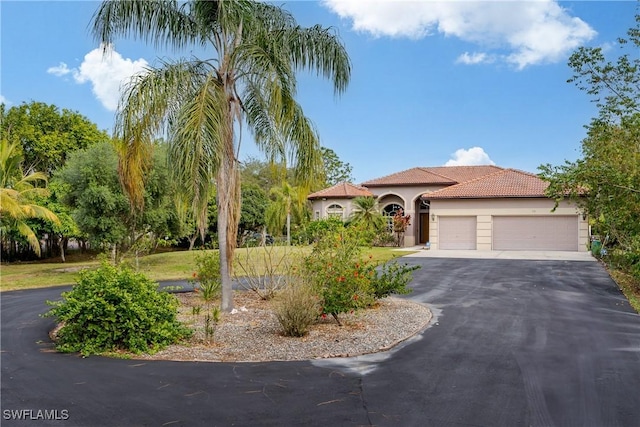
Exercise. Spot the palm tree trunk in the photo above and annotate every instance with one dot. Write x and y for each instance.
(223, 238)
(228, 181)
(288, 228)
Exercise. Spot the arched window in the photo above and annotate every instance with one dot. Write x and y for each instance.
(388, 212)
(335, 211)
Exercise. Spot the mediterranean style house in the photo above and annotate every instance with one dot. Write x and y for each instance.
(467, 207)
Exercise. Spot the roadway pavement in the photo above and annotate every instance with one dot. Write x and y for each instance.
(512, 343)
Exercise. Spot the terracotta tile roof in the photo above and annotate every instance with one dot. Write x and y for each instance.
(465, 173)
(504, 183)
(414, 176)
(440, 175)
(343, 190)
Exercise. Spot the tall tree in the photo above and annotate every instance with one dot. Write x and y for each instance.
(254, 51)
(46, 135)
(18, 192)
(90, 186)
(286, 201)
(605, 182)
(336, 170)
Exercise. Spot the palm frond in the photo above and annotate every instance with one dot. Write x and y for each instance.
(150, 104)
(160, 22)
(196, 144)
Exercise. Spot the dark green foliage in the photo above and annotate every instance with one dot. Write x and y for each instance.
(113, 309)
(605, 182)
(335, 169)
(90, 187)
(254, 202)
(392, 278)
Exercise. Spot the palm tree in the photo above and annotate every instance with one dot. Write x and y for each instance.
(286, 200)
(248, 79)
(17, 193)
(367, 213)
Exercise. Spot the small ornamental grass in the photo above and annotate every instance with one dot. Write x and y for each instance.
(296, 307)
(112, 309)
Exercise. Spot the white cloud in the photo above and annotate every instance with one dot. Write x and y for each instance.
(4, 100)
(524, 32)
(107, 73)
(475, 58)
(471, 157)
(60, 70)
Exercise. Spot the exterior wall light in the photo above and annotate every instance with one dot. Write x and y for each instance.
(433, 217)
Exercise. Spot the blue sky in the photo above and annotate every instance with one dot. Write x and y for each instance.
(433, 82)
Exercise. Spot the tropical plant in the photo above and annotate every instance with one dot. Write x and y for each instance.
(366, 214)
(400, 224)
(286, 201)
(254, 51)
(17, 194)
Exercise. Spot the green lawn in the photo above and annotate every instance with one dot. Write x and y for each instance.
(174, 265)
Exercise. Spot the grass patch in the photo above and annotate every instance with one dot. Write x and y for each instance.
(175, 265)
(630, 286)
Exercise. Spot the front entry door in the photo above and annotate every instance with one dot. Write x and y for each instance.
(424, 228)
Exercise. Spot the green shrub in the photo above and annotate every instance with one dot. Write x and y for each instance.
(392, 278)
(341, 279)
(296, 307)
(345, 282)
(317, 229)
(113, 309)
(207, 275)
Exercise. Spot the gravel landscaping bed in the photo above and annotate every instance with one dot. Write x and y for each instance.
(253, 332)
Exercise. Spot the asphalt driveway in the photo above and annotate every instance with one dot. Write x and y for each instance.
(512, 343)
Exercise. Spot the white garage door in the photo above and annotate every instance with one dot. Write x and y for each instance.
(538, 233)
(457, 232)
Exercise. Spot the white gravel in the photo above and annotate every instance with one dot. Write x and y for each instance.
(253, 334)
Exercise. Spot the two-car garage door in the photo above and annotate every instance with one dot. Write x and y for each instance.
(539, 233)
(512, 233)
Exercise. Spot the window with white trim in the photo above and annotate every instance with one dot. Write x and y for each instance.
(388, 212)
(335, 211)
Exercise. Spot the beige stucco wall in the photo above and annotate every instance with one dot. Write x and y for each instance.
(321, 206)
(408, 195)
(485, 209)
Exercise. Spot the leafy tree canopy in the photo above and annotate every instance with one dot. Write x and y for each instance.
(47, 135)
(336, 170)
(605, 182)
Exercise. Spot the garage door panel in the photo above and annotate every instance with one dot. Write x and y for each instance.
(548, 233)
(457, 232)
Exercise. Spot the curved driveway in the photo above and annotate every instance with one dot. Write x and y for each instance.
(513, 343)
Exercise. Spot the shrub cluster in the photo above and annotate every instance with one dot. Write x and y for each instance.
(336, 274)
(112, 309)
